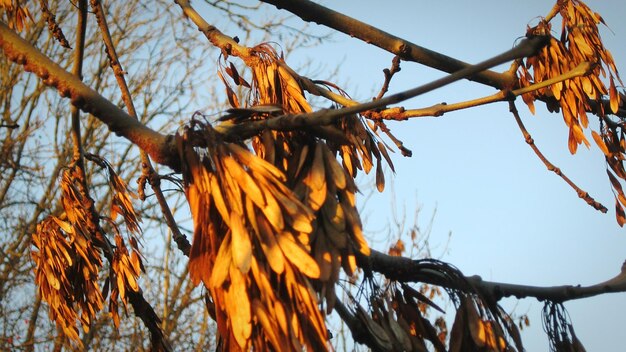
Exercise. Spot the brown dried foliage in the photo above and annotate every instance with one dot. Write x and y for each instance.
(580, 42)
(397, 318)
(273, 230)
(68, 255)
(251, 246)
(67, 261)
(17, 14)
(477, 329)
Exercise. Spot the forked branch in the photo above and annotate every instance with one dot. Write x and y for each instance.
(162, 148)
(437, 110)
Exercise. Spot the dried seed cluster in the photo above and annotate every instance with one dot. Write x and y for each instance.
(579, 43)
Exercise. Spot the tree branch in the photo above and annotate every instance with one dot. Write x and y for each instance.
(529, 140)
(399, 113)
(148, 172)
(409, 270)
(322, 117)
(228, 45)
(160, 147)
(356, 327)
(312, 12)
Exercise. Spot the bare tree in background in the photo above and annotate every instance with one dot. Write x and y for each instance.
(268, 184)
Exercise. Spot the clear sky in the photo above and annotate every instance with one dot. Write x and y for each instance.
(511, 220)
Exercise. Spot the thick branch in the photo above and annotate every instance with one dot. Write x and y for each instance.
(160, 147)
(312, 12)
(146, 313)
(408, 270)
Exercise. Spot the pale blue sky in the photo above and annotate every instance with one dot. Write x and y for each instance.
(511, 220)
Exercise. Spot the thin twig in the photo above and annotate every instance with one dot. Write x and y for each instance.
(389, 72)
(581, 193)
(29, 340)
(77, 70)
(399, 144)
(148, 172)
(437, 110)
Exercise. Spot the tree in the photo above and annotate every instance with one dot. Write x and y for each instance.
(270, 185)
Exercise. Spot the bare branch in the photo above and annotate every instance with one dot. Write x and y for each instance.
(553, 293)
(312, 12)
(160, 147)
(325, 117)
(581, 193)
(228, 45)
(389, 72)
(399, 114)
(408, 270)
(147, 170)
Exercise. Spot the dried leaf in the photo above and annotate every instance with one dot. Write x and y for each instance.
(245, 181)
(571, 142)
(458, 329)
(298, 256)
(270, 247)
(619, 213)
(239, 308)
(600, 142)
(230, 93)
(334, 170)
(269, 325)
(380, 177)
(411, 292)
(221, 265)
(242, 247)
(376, 331)
(614, 96)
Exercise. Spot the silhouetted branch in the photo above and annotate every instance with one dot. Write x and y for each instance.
(357, 329)
(437, 110)
(409, 270)
(146, 313)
